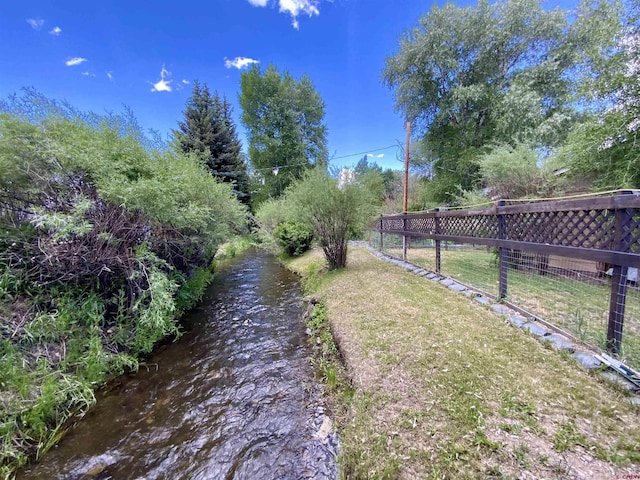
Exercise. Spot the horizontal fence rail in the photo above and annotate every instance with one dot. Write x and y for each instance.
(603, 230)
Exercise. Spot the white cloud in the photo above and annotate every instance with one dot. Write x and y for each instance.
(36, 23)
(380, 155)
(88, 74)
(163, 85)
(296, 7)
(239, 62)
(72, 62)
(55, 31)
(185, 82)
(293, 8)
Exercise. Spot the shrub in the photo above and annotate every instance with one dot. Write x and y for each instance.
(99, 229)
(334, 212)
(192, 289)
(269, 215)
(294, 237)
(515, 172)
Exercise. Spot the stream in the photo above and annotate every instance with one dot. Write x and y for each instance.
(233, 398)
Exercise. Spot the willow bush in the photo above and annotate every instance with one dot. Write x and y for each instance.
(106, 235)
(335, 213)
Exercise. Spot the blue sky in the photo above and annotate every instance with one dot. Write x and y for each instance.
(102, 55)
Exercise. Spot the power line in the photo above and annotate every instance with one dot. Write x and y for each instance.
(280, 166)
(363, 153)
(332, 158)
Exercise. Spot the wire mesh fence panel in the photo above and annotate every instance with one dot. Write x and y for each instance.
(630, 350)
(562, 292)
(422, 251)
(473, 265)
(392, 245)
(573, 295)
(374, 240)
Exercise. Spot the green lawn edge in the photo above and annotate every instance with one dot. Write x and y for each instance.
(437, 386)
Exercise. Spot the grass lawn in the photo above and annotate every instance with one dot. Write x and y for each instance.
(440, 387)
(578, 307)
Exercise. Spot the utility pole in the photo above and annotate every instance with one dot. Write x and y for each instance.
(406, 192)
(406, 169)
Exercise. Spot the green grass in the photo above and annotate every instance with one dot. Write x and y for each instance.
(233, 247)
(443, 388)
(579, 307)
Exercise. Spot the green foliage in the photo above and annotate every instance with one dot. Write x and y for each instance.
(273, 212)
(333, 212)
(156, 307)
(65, 225)
(269, 215)
(567, 437)
(182, 195)
(468, 58)
(192, 289)
(371, 177)
(99, 229)
(327, 359)
(170, 188)
(34, 401)
(295, 238)
(472, 198)
(232, 248)
(604, 152)
(603, 149)
(9, 285)
(492, 74)
(209, 132)
(455, 174)
(11, 373)
(284, 122)
(514, 172)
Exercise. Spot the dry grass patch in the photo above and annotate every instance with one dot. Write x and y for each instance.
(443, 388)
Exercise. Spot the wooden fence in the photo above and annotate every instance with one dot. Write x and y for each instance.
(605, 230)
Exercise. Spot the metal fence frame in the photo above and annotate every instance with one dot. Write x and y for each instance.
(601, 229)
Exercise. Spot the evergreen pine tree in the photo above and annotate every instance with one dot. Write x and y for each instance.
(209, 131)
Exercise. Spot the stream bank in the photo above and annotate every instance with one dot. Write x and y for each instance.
(234, 397)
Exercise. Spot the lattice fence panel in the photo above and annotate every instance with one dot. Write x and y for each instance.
(583, 228)
(392, 224)
(631, 233)
(426, 225)
(478, 226)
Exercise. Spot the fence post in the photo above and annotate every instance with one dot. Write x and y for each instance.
(404, 238)
(502, 234)
(381, 235)
(436, 220)
(618, 282)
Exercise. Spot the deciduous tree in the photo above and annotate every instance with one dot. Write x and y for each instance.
(604, 150)
(472, 77)
(284, 122)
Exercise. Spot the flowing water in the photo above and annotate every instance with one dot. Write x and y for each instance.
(233, 398)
